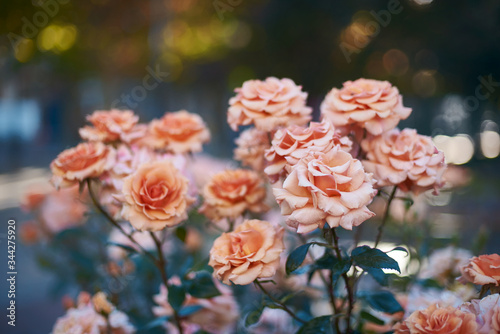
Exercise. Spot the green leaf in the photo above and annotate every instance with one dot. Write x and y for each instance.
(367, 257)
(202, 286)
(155, 323)
(319, 325)
(253, 317)
(176, 296)
(399, 248)
(340, 268)
(371, 318)
(378, 275)
(125, 247)
(181, 233)
(383, 301)
(188, 310)
(296, 258)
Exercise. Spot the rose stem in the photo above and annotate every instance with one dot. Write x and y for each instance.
(277, 302)
(386, 216)
(161, 264)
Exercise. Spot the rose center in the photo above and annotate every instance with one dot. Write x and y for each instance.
(246, 242)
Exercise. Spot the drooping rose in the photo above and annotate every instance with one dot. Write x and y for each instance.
(293, 143)
(367, 104)
(155, 196)
(268, 104)
(178, 132)
(482, 270)
(251, 146)
(487, 312)
(86, 160)
(111, 125)
(326, 187)
(444, 264)
(251, 251)
(406, 159)
(438, 320)
(232, 192)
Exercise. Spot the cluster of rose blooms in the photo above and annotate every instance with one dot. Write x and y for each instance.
(319, 172)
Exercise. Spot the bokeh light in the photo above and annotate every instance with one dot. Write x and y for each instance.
(457, 150)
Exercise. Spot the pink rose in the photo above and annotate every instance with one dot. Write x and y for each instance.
(111, 126)
(251, 146)
(487, 312)
(482, 270)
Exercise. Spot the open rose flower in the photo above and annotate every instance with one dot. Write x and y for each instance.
(444, 264)
(294, 143)
(482, 270)
(86, 160)
(487, 312)
(232, 192)
(268, 104)
(406, 159)
(111, 126)
(367, 104)
(252, 251)
(438, 320)
(155, 196)
(251, 146)
(178, 132)
(331, 187)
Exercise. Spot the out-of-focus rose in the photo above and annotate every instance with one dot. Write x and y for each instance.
(101, 303)
(482, 270)
(444, 264)
(294, 143)
(419, 299)
(111, 125)
(456, 177)
(438, 320)
(86, 160)
(406, 159)
(268, 104)
(29, 232)
(216, 315)
(232, 192)
(252, 251)
(251, 146)
(331, 187)
(34, 196)
(178, 132)
(487, 312)
(204, 167)
(194, 240)
(367, 104)
(155, 196)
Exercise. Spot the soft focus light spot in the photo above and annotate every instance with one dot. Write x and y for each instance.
(424, 83)
(24, 50)
(457, 150)
(395, 62)
(423, 2)
(490, 144)
(57, 38)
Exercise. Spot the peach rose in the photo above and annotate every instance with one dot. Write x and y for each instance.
(268, 104)
(86, 160)
(331, 187)
(155, 196)
(111, 125)
(232, 192)
(178, 132)
(367, 104)
(251, 145)
(438, 320)
(406, 159)
(444, 264)
(252, 251)
(294, 143)
(487, 312)
(482, 270)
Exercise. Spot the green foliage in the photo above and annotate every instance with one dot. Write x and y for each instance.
(370, 318)
(201, 286)
(319, 325)
(296, 258)
(382, 301)
(176, 296)
(367, 257)
(181, 233)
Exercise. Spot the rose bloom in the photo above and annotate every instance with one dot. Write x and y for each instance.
(367, 104)
(420, 298)
(444, 264)
(294, 143)
(331, 187)
(34, 195)
(268, 104)
(86, 160)
(178, 132)
(251, 251)
(216, 315)
(438, 320)
(406, 159)
(487, 312)
(482, 270)
(232, 192)
(155, 196)
(112, 125)
(250, 148)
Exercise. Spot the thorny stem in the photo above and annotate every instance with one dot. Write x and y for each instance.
(386, 216)
(279, 303)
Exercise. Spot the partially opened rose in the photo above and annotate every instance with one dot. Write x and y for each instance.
(232, 192)
(326, 187)
(487, 312)
(367, 104)
(293, 143)
(438, 320)
(252, 251)
(250, 148)
(111, 125)
(86, 160)
(178, 132)
(406, 159)
(155, 196)
(268, 104)
(482, 270)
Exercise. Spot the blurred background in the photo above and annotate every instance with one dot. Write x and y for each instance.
(61, 60)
